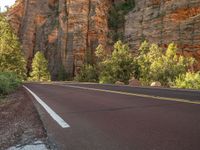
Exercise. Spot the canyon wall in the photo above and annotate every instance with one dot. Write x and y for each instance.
(68, 31)
(165, 21)
(65, 30)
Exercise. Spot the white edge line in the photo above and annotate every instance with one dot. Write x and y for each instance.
(53, 114)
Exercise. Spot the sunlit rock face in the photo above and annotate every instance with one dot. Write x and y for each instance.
(164, 21)
(68, 30)
(65, 30)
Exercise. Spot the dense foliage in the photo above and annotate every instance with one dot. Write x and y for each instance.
(40, 68)
(62, 74)
(88, 73)
(8, 82)
(151, 64)
(116, 18)
(156, 64)
(118, 66)
(11, 56)
(189, 80)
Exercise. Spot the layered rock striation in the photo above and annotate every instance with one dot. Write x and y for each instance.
(65, 30)
(68, 31)
(165, 21)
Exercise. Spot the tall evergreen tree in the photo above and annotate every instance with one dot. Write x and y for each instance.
(11, 56)
(39, 68)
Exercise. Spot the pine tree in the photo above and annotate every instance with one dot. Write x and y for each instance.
(39, 68)
(11, 56)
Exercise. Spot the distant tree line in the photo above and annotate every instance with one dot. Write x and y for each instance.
(152, 63)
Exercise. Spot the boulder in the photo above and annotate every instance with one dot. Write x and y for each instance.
(134, 82)
(156, 84)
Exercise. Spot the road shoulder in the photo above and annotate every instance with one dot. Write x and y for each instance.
(20, 123)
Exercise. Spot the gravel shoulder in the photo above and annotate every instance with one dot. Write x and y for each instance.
(20, 123)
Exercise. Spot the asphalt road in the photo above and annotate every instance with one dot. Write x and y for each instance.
(105, 117)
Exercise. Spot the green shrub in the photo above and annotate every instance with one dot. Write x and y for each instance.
(88, 73)
(188, 81)
(8, 82)
(62, 74)
(117, 67)
(15, 81)
(153, 64)
(4, 85)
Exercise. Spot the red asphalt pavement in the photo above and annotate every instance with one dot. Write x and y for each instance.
(107, 121)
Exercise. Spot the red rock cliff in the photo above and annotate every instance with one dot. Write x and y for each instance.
(164, 21)
(65, 30)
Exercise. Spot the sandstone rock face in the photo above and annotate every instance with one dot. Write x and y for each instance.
(65, 30)
(164, 21)
(68, 30)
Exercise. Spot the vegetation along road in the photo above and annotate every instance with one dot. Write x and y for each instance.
(106, 117)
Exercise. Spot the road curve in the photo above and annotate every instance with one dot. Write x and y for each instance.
(101, 120)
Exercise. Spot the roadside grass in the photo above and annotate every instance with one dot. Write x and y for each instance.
(9, 82)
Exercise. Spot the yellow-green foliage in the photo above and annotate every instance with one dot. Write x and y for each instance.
(154, 64)
(189, 80)
(11, 56)
(119, 66)
(100, 53)
(40, 68)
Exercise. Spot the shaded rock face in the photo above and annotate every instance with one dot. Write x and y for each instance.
(65, 30)
(164, 21)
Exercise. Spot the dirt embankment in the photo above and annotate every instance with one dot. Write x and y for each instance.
(19, 121)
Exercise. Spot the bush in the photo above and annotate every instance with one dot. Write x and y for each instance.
(117, 67)
(62, 74)
(188, 81)
(4, 85)
(88, 73)
(154, 65)
(8, 82)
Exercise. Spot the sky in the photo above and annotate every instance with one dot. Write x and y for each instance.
(4, 3)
